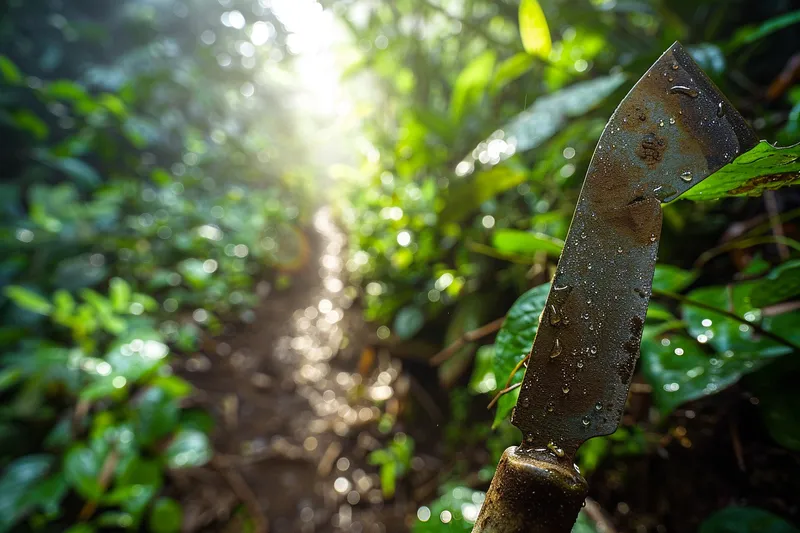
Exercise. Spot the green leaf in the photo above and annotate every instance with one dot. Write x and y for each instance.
(509, 70)
(726, 334)
(77, 169)
(28, 121)
(471, 84)
(408, 321)
(751, 34)
(511, 241)
(781, 411)
(514, 342)
(388, 477)
(166, 517)
(81, 528)
(483, 379)
(549, 113)
(782, 284)
(82, 469)
(19, 477)
(533, 29)
(188, 448)
(142, 472)
(9, 70)
(120, 295)
(763, 168)
(66, 90)
(745, 520)
(29, 300)
(467, 194)
(680, 370)
(155, 416)
(584, 524)
(463, 505)
(47, 495)
(672, 279)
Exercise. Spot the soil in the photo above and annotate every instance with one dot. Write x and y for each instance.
(297, 396)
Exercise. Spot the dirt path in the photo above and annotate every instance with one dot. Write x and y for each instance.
(295, 418)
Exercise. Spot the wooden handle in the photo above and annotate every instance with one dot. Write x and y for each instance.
(531, 493)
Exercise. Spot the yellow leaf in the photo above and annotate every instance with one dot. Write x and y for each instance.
(533, 29)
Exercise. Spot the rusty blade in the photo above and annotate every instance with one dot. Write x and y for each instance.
(672, 130)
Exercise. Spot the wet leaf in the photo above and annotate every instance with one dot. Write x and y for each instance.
(672, 279)
(533, 29)
(680, 370)
(166, 517)
(514, 342)
(761, 169)
(726, 334)
(188, 448)
(467, 194)
(408, 321)
(584, 524)
(526, 243)
(745, 520)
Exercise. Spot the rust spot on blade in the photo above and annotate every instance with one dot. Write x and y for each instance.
(651, 149)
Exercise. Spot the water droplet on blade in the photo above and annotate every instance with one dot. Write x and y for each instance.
(555, 449)
(686, 176)
(585, 421)
(720, 109)
(598, 406)
(672, 120)
(565, 389)
(684, 90)
(555, 316)
(556, 350)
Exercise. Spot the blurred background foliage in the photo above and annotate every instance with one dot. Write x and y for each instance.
(158, 180)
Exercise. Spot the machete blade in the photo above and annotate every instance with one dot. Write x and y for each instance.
(672, 130)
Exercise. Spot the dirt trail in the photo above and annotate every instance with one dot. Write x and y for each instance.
(295, 418)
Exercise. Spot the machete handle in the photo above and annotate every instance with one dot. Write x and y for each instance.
(531, 493)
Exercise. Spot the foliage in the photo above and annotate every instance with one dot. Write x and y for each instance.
(745, 520)
(469, 185)
(394, 461)
(134, 221)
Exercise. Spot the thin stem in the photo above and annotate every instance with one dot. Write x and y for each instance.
(502, 392)
(733, 316)
(469, 336)
(744, 243)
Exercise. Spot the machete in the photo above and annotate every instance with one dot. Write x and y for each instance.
(672, 130)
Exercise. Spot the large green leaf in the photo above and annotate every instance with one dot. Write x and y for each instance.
(727, 334)
(514, 341)
(672, 279)
(533, 29)
(745, 520)
(511, 241)
(680, 370)
(509, 70)
(782, 284)
(763, 168)
(471, 84)
(550, 112)
(467, 194)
